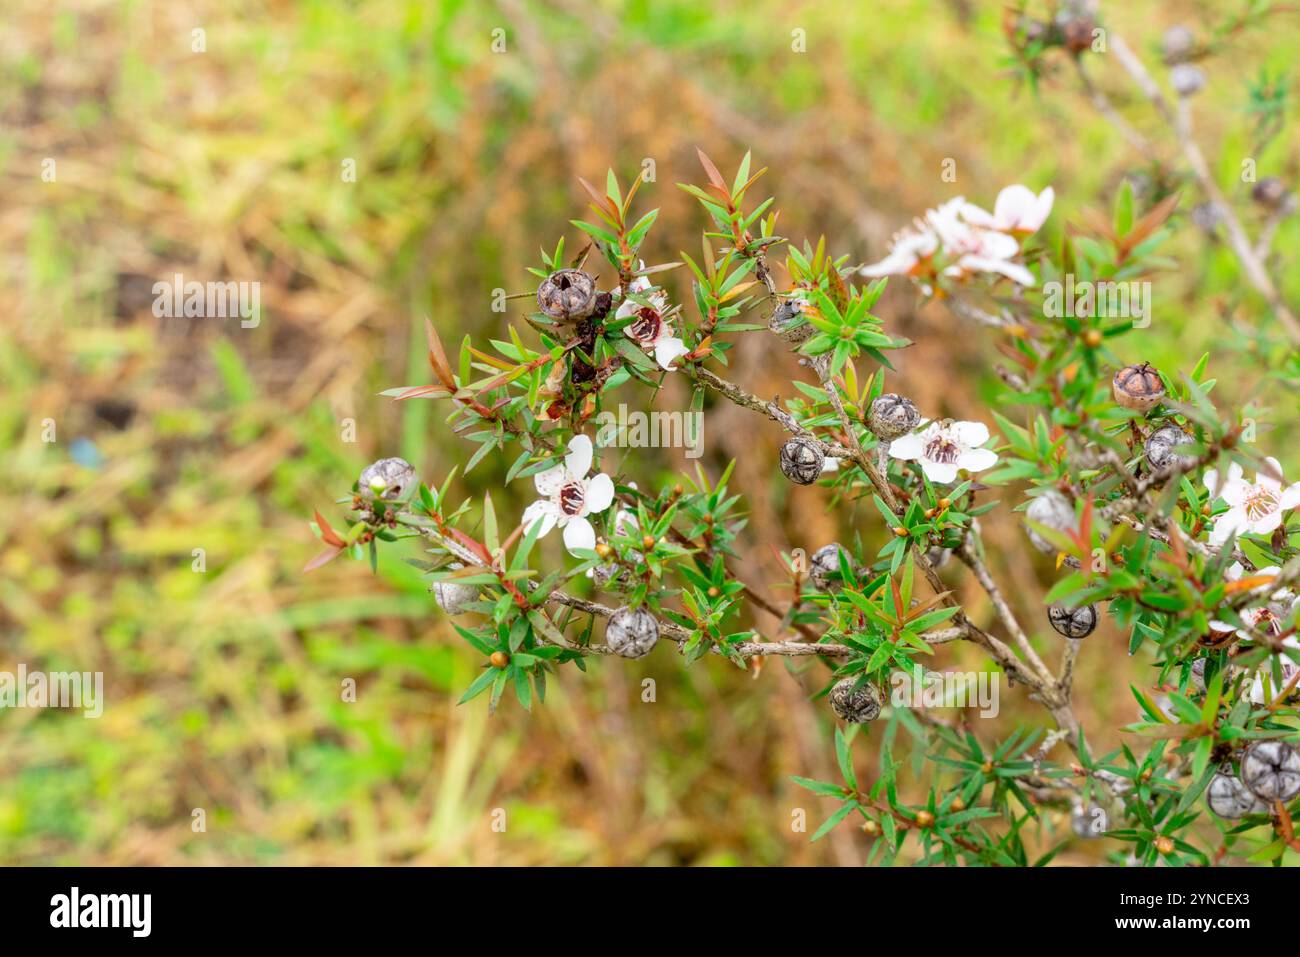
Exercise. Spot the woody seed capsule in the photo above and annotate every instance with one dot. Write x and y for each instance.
(452, 598)
(1178, 43)
(1161, 448)
(825, 567)
(1187, 79)
(892, 415)
(1053, 510)
(802, 460)
(1230, 799)
(855, 705)
(390, 480)
(567, 295)
(1073, 622)
(632, 633)
(789, 323)
(1271, 770)
(1138, 387)
(1090, 821)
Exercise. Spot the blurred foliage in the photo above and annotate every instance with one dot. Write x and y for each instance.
(172, 434)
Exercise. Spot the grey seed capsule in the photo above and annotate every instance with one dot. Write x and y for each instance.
(855, 706)
(1162, 445)
(892, 415)
(1089, 822)
(1053, 510)
(1271, 770)
(452, 598)
(824, 567)
(390, 480)
(1073, 622)
(1178, 43)
(567, 295)
(789, 323)
(1230, 799)
(632, 634)
(802, 460)
(1271, 193)
(1186, 79)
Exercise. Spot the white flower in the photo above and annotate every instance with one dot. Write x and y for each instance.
(1265, 617)
(1258, 508)
(909, 254)
(1017, 210)
(974, 248)
(568, 497)
(944, 447)
(1265, 689)
(651, 330)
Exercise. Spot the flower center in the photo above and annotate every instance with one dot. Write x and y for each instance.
(571, 498)
(942, 449)
(1261, 501)
(646, 326)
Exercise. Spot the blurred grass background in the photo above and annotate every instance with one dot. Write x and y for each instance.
(173, 434)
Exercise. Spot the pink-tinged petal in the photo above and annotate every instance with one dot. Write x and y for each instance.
(547, 512)
(970, 434)
(669, 349)
(942, 472)
(550, 481)
(1267, 480)
(895, 264)
(977, 460)
(1268, 524)
(977, 217)
(578, 458)
(1014, 205)
(1013, 271)
(579, 534)
(1045, 200)
(600, 493)
(1235, 491)
(907, 447)
(626, 309)
(1290, 497)
(1226, 525)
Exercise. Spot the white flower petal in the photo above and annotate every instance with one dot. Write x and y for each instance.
(550, 481)
(1212, 481)
(547, 512)
(668, 349)
(578, 458)
(1290, 497)
(941, 472)
(626, 309)
(1013, 271)
(600, 493)
(579, 534)
(1227, 524)
(976, 460)
(1268, 524)
(1263, 478)
(908, 447)
(970, 434)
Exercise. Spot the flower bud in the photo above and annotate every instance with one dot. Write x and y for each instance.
(892, 415)
(392, 480)
(1271, 770)
(632, 634)
(1138, 387)
(924, 818)
(855, 705)
(802, 460)
(1053, 510)
(499, 659)
(1165, 844)
(1161, 449)
(1230, 799)
(1187, 79)
(1073, 622)
(567, 295)
(451, 597)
